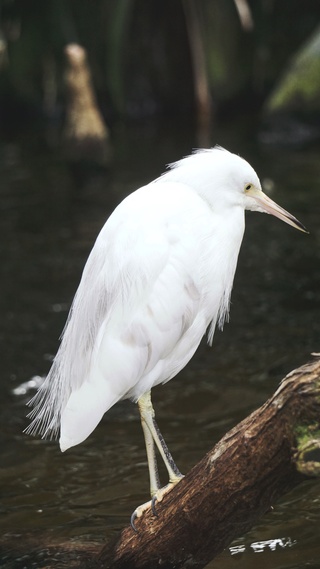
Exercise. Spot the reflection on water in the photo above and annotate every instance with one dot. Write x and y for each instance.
(51, 215)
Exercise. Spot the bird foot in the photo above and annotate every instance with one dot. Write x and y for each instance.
(158, 497)
(138, 513)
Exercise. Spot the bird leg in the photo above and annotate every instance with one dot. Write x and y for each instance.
(153, 436)
(152, 460)
(148, 420)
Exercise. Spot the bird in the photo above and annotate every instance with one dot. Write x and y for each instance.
(158, 278)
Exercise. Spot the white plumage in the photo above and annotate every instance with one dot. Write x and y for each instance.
(160, 272)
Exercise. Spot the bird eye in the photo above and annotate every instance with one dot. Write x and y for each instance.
(248, 187)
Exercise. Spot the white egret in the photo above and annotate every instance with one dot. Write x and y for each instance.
(159, 275)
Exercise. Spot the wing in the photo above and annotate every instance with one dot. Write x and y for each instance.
(138, 297)
(122, 265)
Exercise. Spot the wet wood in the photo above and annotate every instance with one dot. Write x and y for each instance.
(239, 480)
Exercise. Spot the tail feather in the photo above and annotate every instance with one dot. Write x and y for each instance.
(47, 406)
(84, 410)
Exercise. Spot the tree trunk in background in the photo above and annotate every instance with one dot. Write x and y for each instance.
(198, 57)
(86, 135)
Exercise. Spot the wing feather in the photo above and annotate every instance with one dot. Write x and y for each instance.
(127, 257)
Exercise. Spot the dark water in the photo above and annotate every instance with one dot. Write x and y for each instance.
(51, 214)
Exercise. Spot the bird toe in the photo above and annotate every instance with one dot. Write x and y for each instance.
(151, 504)
(138, 513)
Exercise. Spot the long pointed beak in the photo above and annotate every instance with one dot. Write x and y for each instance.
(267, 205)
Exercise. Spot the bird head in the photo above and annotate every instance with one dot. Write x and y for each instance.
(249, 192)
(226, 180)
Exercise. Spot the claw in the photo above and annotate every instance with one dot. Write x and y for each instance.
(132, 520)
(138, 513)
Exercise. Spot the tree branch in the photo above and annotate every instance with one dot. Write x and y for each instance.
(255, 463)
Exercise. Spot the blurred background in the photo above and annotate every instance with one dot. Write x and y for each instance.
(95, 99)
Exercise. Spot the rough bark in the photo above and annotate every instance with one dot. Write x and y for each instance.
(255, 463)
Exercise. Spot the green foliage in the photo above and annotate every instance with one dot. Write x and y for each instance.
(299, 89)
